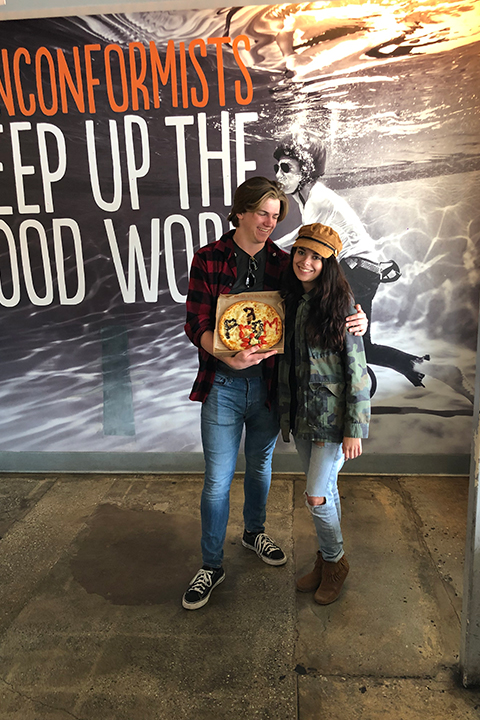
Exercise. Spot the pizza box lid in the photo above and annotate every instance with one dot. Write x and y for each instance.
(271, 297)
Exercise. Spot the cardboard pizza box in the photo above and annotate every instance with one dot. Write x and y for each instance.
(271, 297)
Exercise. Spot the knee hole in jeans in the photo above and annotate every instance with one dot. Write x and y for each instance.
(310, 498)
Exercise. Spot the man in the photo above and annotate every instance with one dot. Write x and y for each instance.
(238, 391)
(300, 164)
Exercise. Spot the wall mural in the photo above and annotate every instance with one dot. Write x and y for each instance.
(122, 140)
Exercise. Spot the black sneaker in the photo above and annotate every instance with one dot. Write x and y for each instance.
(265, 548)
(200, 588)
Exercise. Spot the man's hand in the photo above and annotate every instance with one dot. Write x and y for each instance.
(240, 361)
(247, 358)
(357, 324)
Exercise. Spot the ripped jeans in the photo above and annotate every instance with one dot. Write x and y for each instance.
(321, 466)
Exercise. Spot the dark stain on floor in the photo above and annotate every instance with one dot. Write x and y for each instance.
(136, 556)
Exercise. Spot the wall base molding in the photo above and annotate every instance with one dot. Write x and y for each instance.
(114, 462)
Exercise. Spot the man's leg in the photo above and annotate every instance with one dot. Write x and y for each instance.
(364, 286)
(222, 422)
(222, 425)
(261, 431)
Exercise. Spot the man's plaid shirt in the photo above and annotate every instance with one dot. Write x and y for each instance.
(213, 273)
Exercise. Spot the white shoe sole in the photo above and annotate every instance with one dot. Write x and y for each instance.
(203, 601)
(282, 561)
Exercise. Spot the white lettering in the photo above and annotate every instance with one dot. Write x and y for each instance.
(4, 209)
(27, 266)
(135, 172)
(179, 123)
(116, 201)
(50, 176)
(60, 261)
(169, 257)
(206, 155)
(136, 260)
(12, 250)
(242, 164)
(205, 217)
(21, 170)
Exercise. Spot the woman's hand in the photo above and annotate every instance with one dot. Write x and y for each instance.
(352, 447)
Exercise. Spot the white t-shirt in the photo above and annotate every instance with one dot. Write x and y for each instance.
(327, 207)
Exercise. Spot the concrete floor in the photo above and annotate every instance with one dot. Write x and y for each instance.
(92, 569)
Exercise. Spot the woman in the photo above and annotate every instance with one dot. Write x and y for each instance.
(324, 392)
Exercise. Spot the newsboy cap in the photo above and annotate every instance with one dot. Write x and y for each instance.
(321, 239)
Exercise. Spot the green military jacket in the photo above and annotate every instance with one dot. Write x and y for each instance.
(332, 388)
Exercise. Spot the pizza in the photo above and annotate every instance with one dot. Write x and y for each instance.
(248, 323)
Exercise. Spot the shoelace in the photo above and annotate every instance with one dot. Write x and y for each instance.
(202, 580)
(264, 545)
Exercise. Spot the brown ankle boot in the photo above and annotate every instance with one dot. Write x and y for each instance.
(333, 577)
(310, 582)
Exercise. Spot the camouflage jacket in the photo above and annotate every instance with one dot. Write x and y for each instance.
(332, 399)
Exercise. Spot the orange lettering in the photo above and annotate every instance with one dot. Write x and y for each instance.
(238, 95)
(157, 69)
(183, 73)
(137, 80)
(123, 76)
(43, 52)
(91, 81)
(221, 77)
(65, 78)
(21, 52)
(6, 91)
(199, 71)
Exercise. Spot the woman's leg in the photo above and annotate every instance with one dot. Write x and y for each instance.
(322, 497)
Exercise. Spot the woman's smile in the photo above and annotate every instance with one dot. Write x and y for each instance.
(307, 266)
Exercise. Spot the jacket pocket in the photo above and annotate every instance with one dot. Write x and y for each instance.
(326, 405)
(336, 388)
(326, 367)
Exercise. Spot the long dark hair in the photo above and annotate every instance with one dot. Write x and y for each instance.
(329, 307)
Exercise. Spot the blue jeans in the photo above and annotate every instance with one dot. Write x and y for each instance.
(321, 466)
(232, 404)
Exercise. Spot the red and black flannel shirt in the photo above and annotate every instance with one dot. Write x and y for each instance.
(214, 272)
